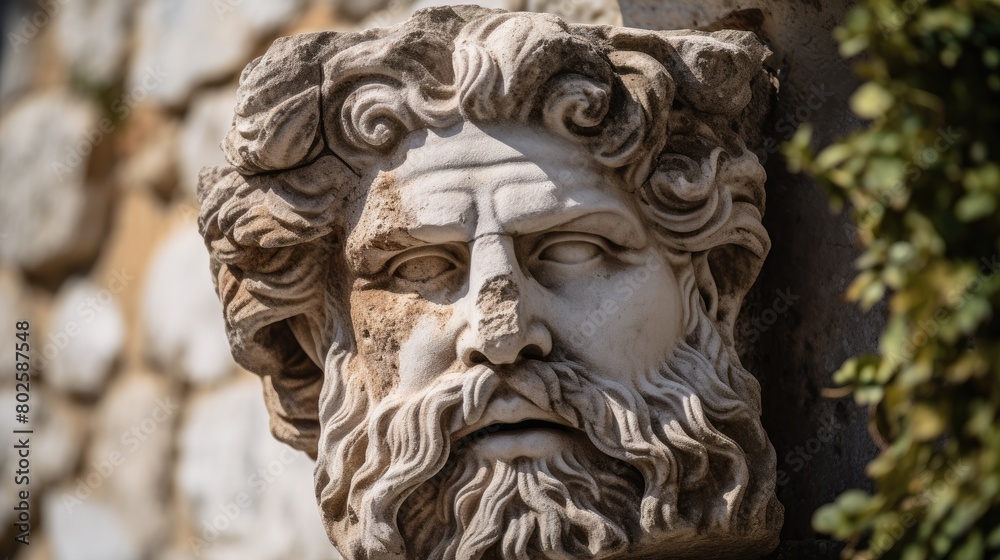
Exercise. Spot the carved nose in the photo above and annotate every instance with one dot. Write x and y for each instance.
(502, 327)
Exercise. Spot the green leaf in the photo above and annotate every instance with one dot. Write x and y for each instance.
(976, 205)
(831, 156)
(972, 549)
(871, 101)
(926, 422)
(884, 174)
(827, 519)
(924, 182)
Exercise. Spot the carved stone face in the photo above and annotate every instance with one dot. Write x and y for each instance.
(522, 336)
(488, 265)
(490, 247)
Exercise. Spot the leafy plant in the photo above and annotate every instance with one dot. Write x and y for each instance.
(923, 182)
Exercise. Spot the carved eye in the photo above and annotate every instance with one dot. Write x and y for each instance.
(572, 249)
(421, 265)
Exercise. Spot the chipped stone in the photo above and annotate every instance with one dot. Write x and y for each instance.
(384, 248)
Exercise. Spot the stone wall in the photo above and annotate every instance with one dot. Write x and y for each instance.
(149, 442)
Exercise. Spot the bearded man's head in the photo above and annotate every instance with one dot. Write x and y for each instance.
(487, 265)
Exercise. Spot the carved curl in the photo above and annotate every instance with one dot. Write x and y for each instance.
(675, 113)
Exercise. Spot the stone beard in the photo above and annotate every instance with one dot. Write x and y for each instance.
(487, 265)
(649, 459)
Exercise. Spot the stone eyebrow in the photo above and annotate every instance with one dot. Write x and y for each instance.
(369, 252)
(610, 223)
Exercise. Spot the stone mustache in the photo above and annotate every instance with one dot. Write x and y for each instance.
(487, 265)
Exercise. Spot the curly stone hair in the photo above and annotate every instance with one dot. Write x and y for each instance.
(676, 114)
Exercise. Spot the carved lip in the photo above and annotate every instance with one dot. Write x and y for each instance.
(507, 414)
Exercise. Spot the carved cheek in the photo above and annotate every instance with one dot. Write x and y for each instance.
(399, 340)
(629, 320)
(655, 311)
(429, 350)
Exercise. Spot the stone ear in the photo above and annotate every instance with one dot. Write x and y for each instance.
(725, 277)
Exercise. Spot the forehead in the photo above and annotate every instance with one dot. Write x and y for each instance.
(460, 183)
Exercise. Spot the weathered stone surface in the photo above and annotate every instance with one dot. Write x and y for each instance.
(85, 338)
(247, 496)
(181, 314)
(192, 42)
(385, 14)
(51, 218)
(796, 330)
(488, 265)
(209, 119)
(380, 13)
(92, 36)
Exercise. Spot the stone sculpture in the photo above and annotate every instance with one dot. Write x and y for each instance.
(487, 265)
